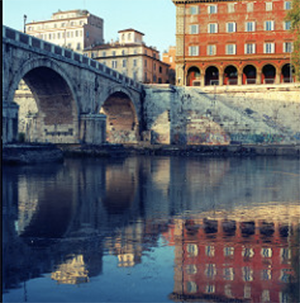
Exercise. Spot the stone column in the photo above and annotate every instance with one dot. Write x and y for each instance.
(258, 77)
(277, 76)
(240, 78)
(93, 129)
(9, 122)
(202, 77)
(221, 79)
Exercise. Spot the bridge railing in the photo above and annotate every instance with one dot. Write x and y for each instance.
(57, 50)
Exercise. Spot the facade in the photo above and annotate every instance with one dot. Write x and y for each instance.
(75, 29)
(229, 261)
(169, 58)
(226, 42)
(131, 57)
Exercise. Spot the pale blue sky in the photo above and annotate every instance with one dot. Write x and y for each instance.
(155, 18)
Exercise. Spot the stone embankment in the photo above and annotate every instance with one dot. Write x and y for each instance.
(117, 150)
(45, 153)
(31, 153)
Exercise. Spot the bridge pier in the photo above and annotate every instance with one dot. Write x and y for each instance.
(9, 122)
(92, 128)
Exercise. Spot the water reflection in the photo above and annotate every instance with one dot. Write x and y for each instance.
(229, 227)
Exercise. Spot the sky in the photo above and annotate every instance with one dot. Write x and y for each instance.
(155, 18)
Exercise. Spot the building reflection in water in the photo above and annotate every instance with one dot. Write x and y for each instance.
(227, 246)
(73, 271)
(224, 260)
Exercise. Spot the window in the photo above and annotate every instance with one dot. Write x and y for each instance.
(212, 9)
(210, 270)
(211, 50)
(230, 49)
(123, 52)
(228, 251)
(87, 34)
(269, 6)
(212, 28)
(250, 48)
(287, 47)
(269, 25)
(269, 48)
(250, 26)
(135, 76)
(194, 10)
(247, 291)
(194, 29)
(228, 274)
(114, 64)
(58, 35)
(192, 250)
(160, 69)
(49, 36)
(129, 36)
(210, 251)
(114, 53)
(247, 273)
(145, 63)
(265, 274)
(54, 36)
(134, 62)
(266, 252)
(154, 66)
(287, 25)
(230, 27)
(194, 51)
(287, 5)
(191, 269)
(78, 46)
(249, 7)
(63, 25)
(231, 8)
(124, 63)
(145, 77)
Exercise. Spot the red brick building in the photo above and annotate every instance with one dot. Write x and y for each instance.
(226, 42)
(231, 261)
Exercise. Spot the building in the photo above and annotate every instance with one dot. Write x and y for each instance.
(227, 42)
(131, 57)
(74, 29)
(169, 58)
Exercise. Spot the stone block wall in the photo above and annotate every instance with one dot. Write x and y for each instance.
(188, 115)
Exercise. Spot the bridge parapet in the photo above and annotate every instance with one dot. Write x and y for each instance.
(60, 53)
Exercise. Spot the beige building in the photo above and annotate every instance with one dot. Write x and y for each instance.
(75, 29)
(131, 57)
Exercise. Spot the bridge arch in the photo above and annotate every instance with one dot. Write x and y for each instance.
(56, 101)
(122, 112)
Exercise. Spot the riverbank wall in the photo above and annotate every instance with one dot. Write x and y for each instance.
(222, 115)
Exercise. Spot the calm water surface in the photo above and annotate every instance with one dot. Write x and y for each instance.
(145, 229)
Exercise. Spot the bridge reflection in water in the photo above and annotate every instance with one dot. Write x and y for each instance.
(194, 230)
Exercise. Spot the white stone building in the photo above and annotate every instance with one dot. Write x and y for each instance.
(74, 29)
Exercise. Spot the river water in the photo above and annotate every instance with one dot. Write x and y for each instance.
(152, 229)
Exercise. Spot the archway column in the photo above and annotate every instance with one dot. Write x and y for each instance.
(240, 78)
(277, 76)
(221, 78)
(202, 78)
(258, 76)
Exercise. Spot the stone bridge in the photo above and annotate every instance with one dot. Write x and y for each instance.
(69, 90)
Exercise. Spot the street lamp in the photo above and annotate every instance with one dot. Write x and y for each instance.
(25, 18)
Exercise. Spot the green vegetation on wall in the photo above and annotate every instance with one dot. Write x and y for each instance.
(293, 16)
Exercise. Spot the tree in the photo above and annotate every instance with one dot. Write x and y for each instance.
(293, 16)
